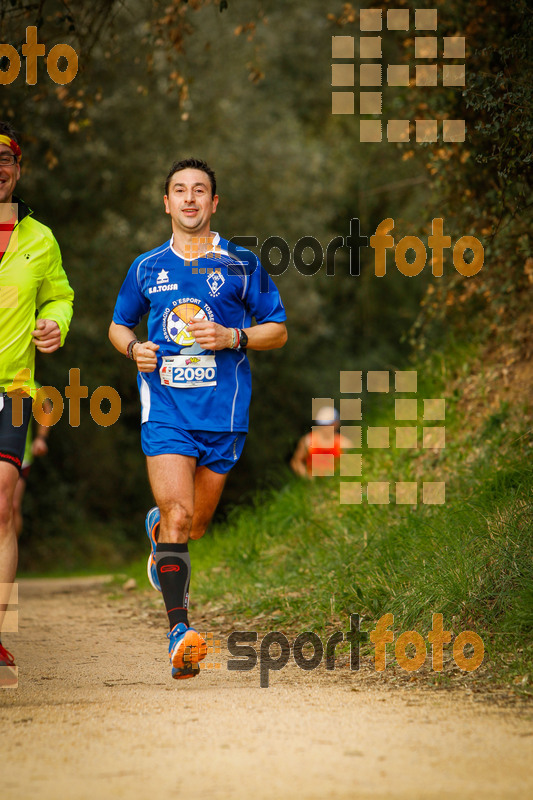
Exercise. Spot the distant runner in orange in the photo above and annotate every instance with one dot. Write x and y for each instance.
(324, 441)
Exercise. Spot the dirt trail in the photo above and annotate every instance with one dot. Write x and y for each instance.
(96, 715)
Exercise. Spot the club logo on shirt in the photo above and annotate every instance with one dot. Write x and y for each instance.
(215, 282)
(176, 320)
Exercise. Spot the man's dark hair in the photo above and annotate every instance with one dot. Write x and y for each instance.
(6, 129)
(192, 163)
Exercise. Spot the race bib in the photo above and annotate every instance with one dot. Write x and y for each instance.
(187, 372)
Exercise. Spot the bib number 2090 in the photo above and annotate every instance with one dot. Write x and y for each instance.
(177, 371)
(199, 374)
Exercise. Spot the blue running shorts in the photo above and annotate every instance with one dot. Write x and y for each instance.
(218, 451)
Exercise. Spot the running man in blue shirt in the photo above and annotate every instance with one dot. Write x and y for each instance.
(200, 293)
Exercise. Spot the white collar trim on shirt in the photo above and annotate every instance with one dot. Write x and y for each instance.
(216, 240)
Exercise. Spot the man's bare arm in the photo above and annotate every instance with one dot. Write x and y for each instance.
(144, 353)
(212, 336)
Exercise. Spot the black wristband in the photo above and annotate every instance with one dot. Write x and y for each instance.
(129, 350)
(243, 339)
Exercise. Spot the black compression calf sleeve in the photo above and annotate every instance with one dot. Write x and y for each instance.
(173, 566)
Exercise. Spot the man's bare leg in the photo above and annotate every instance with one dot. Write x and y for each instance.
(173, 481)
(208, 487)
(18, 497)
(171, 486)
(8, 538)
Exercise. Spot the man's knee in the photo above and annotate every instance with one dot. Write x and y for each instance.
(176, 521)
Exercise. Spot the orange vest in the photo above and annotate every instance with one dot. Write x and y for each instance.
(335, 451)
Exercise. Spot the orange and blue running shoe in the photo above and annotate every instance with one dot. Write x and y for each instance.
(185, 650)
(152, 521)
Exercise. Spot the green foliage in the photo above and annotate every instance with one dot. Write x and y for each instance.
(481, 187)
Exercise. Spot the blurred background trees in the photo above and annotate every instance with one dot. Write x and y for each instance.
(247, 86)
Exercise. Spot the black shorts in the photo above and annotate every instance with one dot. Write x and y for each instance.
(12, 439)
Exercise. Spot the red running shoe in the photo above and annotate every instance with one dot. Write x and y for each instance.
(8, 669)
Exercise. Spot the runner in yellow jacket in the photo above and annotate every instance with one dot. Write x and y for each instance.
(35, 312)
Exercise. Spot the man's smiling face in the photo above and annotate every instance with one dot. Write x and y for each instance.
(189, 201)
(9, 176)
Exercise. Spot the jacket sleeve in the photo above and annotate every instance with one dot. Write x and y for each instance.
(55, 296)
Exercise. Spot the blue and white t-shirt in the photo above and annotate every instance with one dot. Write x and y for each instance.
(192, 388)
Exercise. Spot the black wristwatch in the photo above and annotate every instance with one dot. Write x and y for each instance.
(243, 339)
